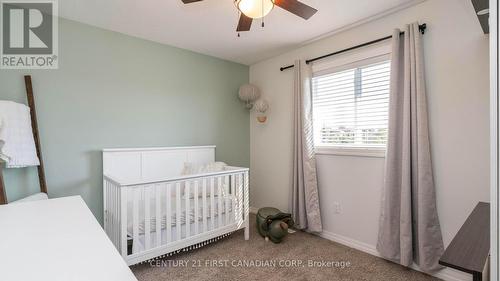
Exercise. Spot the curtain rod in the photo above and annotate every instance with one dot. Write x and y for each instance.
(421, 27)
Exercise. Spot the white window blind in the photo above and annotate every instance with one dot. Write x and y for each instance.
(350, 105)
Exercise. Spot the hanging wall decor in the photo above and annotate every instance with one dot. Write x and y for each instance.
(249, 94)
(261, 107)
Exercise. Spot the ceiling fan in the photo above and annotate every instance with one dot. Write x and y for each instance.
(255, 9)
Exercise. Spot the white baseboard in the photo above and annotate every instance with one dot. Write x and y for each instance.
(446, 274)
(351, 243)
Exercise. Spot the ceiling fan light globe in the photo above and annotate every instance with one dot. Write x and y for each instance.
(255, 9)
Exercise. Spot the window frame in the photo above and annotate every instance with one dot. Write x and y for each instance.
(366, 56)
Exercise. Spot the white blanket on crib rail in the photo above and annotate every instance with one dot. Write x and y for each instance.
(17, 145)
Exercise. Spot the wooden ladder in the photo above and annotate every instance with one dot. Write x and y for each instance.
(36, 136)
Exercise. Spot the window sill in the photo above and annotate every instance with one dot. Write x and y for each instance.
(351, 151)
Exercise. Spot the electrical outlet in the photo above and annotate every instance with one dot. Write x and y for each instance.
(338, 208)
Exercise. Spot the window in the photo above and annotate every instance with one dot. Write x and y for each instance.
(350, 107)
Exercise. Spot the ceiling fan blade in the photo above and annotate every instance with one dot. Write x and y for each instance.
(295, 7)
(244, 24)
(190, 1)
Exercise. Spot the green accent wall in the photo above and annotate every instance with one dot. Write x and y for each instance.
(112, 90)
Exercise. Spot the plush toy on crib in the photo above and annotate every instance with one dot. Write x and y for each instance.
(273, 224)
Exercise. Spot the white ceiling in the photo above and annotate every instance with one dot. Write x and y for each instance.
(209, 26)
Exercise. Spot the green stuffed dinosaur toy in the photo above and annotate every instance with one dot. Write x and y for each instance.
(273, 224)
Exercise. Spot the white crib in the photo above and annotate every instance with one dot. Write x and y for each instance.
(144, 184)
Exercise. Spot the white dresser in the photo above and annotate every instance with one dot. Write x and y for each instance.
(56, 239)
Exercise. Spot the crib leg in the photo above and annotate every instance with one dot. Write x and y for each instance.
(247, 230)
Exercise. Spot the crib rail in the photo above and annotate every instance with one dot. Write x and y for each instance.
(153, 218)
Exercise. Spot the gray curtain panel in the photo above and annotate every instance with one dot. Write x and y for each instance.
(409, 229)
(304, 201)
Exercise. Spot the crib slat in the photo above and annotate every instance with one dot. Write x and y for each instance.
(158, 215)
(226, 202)
(178, 213)
(233, 197)
(219, 204)
(168, 213)
(109, 212)
(105, 204)
(212, 203)
(196, 207)
(114, 218)
(205, 211)
(246, 186)
(246, 212)
(105, 198)
(240, 196)
(187, 215)
(108, 228)
(135, 214)
(238, 199)
(108, 208)
(147, 218)
(123, 221)
(107, 220)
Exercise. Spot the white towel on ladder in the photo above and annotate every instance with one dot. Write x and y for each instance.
(17, 145)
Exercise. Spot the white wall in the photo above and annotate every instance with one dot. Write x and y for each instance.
(456, 57)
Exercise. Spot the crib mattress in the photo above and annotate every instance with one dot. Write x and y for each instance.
(226, 204)
(138, 244)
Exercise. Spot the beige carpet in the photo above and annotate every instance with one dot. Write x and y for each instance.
(233, 258)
